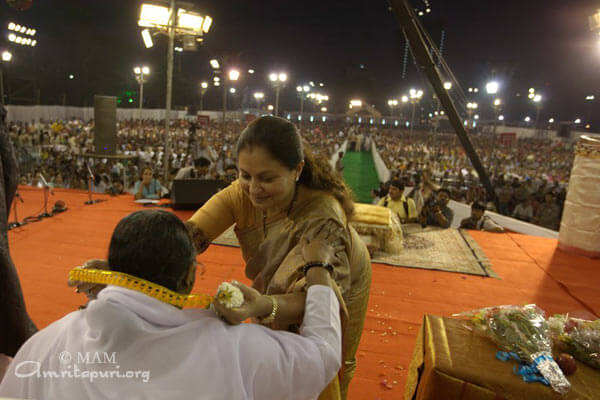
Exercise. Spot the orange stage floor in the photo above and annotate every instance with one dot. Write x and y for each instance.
(532, 270)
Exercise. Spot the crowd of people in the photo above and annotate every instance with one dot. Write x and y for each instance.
(522, 173)
(529, 176)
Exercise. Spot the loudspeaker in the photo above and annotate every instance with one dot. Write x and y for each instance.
(564, 129)
(105, 120)
(190, 194)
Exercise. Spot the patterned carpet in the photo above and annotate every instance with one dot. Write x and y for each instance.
(450, 250)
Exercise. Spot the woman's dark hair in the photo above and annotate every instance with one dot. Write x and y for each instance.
(152, 245)
(282, 140)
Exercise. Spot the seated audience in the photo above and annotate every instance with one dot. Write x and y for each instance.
(168, 352)
(147, 187)
(231, 174)
(198, 171)
(436, 211)
(524, 210)
(398, 203)
(479, 221)
(548, 213)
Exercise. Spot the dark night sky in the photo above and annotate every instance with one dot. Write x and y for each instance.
(526, 43)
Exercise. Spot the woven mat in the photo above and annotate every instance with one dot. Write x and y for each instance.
(451, 250)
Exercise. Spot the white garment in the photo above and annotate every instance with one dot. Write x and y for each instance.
(184, 353)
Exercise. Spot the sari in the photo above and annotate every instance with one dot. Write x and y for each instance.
(271, 249)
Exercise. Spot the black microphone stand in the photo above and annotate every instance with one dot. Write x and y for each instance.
(90, 180)
(47, 189)
(16, 224)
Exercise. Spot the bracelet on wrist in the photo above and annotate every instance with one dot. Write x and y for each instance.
(271, 317)
(312, 264)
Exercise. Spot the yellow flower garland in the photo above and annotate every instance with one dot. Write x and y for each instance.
(158, 292)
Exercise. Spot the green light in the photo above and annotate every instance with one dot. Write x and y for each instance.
(130, 100)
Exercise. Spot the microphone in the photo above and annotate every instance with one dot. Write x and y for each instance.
(45, 183)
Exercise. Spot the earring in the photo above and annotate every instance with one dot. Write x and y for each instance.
(297, 178)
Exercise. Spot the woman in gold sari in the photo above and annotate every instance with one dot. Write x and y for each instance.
(283, 193)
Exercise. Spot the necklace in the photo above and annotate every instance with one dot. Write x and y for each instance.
(264, 212)
(151, 289)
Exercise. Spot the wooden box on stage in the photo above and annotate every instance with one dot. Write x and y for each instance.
(452, 363)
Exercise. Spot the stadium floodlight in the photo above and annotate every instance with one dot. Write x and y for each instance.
(497, 102)
(323, 109)
(577, 121)
(551, 120)
(259, 95)
(298, 89)
(590, 98)
(190, 20)
(215, 64)
(147, 38)
(476, 116)
(531, 90)
(12, 37)
(447, 85)
(153, 16)
(6, 56)
(11, 26)
(355, 103)
(404, 99)
(270, 107)
(232, 90)
(282, 77)
(537, 98)
(207, 24)
(204, 85)
(492, 87)
(234, 75)
(272, 77)
(500, 117)
(306, 88)
(527, 118)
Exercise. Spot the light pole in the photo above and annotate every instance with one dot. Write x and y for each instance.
(278, 80)
(140, 76)
(471, 107)
(233, 76)
(392, 103)
(302, 90)
(6, 58)
(203, 89)
(172, 21)
(415, 96)
(492, 88)
(259, 96)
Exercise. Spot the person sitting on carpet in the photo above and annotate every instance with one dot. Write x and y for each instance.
(404, 207)
(436, 212)
(284, 192)
(479, 221)
(147, 187)
(168, 352)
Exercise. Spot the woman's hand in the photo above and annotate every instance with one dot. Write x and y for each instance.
(90, 289)
(320, 248)
(255, 306)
